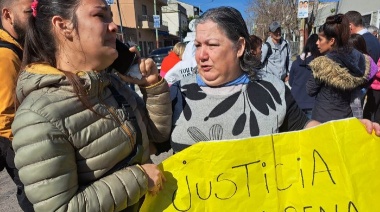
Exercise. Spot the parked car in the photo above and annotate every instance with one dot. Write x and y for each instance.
(159, 54)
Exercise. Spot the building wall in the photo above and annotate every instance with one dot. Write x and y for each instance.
(135, 30)
(170, 14)
(370, 9)
(184, 23)
(175, 15)
(191, 10)
(324, 10)
(363, 6)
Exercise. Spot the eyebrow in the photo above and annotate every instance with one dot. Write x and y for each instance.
(102, 7)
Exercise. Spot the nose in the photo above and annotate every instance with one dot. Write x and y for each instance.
(113, 27)
(202, 53)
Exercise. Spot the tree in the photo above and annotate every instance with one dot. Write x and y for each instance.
(262, 12)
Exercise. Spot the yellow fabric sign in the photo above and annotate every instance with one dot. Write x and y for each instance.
(333, 167)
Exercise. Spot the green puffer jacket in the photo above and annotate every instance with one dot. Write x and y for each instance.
(67, 154)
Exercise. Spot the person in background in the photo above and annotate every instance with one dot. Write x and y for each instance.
(337, 73)
(276, 53)
(14, 17)
(372, 107)
(256, 45)
(224, 100)
(81, 135)
(357, 97)
(174, 56)
(228, 98)
(186, 67)
(356, 27)
(374, 31)
(300, 72)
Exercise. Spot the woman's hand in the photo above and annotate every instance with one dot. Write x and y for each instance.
(371, 126)
(155, 178)
(148, 69)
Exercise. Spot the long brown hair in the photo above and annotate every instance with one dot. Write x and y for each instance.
(40, 44)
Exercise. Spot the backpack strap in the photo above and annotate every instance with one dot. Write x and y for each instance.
(11, 46)
(128, 104)
(269, 53)
(287, 56)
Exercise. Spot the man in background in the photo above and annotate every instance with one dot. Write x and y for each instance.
(276, 53)
(14, 17)
(374, 31)
(356, 27)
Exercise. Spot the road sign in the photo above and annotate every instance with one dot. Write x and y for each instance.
(303, 8)
(156, 20)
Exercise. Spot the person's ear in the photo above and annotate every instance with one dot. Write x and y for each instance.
(332, 42)
(7, 15)
(240, 47)
(63, 27)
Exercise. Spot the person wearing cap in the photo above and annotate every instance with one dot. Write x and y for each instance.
(276, 53)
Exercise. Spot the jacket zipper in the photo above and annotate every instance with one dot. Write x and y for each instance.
(113, 114)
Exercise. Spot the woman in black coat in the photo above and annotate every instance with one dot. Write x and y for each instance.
(300, 72)
(338, 73)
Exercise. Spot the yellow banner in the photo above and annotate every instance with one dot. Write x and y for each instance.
(333, 167)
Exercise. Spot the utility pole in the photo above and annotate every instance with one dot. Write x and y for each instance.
(155, 13)
(121, 21)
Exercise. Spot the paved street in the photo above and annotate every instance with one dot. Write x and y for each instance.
(8, 200)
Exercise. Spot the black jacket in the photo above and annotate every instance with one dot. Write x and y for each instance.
(373, 46)
(300, 72)
(335, 76)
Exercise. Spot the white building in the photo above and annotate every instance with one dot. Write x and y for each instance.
(191, 10)
(370, 10)
(176, 17)
(325, 9)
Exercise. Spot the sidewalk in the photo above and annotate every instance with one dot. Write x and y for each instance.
(8, 200)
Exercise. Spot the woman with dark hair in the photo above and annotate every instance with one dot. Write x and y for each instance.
(337, 73)
(227, 99)
(300, 72)
(372, 107)
(357, 97)
(256, 44)
(81, 135)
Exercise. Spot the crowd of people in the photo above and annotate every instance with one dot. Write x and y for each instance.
(75, 136)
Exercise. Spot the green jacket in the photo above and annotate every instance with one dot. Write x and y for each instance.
(67, 153)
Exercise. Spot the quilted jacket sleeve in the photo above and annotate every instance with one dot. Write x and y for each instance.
(48, 169)
(158, 104)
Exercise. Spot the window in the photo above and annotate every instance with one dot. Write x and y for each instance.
(144, 10)
(366, 19)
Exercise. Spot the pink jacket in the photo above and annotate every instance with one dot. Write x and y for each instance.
(376, 82)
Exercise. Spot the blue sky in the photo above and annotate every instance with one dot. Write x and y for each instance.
(240, 5)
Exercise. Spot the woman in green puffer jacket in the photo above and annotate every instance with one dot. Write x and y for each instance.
(81, 135)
